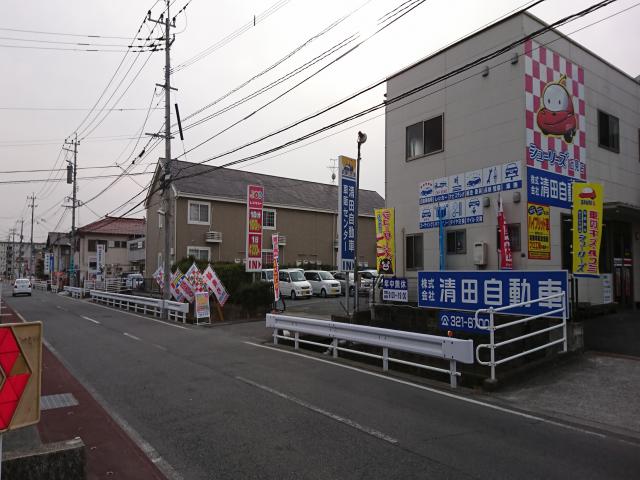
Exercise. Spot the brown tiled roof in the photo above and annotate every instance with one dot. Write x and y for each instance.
(115, 226)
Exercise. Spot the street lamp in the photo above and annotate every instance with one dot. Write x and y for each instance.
(362, 138)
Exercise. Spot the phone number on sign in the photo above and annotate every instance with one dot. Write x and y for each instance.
(463, 321)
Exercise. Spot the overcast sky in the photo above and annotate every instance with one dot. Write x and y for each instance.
(68, 83)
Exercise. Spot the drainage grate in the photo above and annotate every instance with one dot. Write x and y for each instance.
(60, 400)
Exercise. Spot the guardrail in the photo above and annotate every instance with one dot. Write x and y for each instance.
(492, 329)
(54, 288)
(40, 285)
(75, 292)
(175, 310)
(452, 349)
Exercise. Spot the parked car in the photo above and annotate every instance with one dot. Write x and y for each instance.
(266, 275)
(322, 283)
(21, 286)
(365, 283)
(293, 284)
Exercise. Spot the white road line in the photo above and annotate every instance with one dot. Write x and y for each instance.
(160, 347)
(438, 392)
(129, 313)
(369, 431)
(91, 320)
(133, 337)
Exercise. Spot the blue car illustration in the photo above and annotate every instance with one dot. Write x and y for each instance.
(426, 191)
(511, 171)
(474, 205)
(473, 181)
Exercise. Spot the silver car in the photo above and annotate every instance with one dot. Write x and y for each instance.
(22, 286)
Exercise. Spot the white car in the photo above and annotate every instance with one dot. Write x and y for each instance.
(322, 283)
(22, 286)
(365, 283)
(293, 284)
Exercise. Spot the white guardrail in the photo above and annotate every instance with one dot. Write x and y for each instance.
(452, 349)
(54, 288)
(175, 310)
(492, 327)
(40, 285)
(75, 292)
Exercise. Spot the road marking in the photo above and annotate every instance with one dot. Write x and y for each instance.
(131, 336)
(91, 319)
(151, 453)
(129, 313)
(160, 347)
(369, 431)
(61, 308)
(437, 392)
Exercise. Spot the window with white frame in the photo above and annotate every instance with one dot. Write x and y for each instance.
(199, 253)
(268, 219)
(199, 213)
(267, 258)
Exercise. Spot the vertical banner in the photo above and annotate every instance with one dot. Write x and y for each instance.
(47, 268)
(255, 201)
(587, 228)
(176, 278)
(210, 277)
(202, 305)
(385, 241)
(52, 260)
(506, 258)
(538, 231)
(347, 215)
(276, 269)
(158, 276)
(100, 253)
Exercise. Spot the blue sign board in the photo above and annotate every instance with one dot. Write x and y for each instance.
(51, 263)
(463, 322)
(347, 214)
(549, 188)
(472, 290)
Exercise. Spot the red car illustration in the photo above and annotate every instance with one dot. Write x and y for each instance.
(587, 193)
(556, 115)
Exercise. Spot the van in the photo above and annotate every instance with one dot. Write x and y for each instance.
(293, 284)
(322, 283)
(266, 275)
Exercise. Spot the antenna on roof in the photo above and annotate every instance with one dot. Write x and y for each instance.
(334, 168)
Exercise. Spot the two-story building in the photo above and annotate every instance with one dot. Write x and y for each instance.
(211, 210)
(114, 233)
(523, 125)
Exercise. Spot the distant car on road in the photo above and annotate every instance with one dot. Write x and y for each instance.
(365, 283)
(21, 286)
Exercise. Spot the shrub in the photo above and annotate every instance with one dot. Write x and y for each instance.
(255, 297)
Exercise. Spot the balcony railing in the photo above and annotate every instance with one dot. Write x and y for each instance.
(282, 239)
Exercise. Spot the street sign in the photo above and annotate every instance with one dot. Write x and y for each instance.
(20, 374)
(395, 289)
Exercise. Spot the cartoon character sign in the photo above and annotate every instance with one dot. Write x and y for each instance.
(556, 115)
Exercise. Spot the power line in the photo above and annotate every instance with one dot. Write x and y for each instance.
(70, 109)
(79, 44)
(63, 34)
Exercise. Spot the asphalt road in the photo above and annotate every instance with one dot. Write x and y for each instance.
(216, 403)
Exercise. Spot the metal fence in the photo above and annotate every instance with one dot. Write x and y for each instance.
(175, 310)
(492, 345)
(451, 349)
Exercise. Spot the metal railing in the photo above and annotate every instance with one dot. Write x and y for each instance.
(452, 349)
(175, 310)
(40, 285)
(492, 327)
(54, 288)
(75, 292)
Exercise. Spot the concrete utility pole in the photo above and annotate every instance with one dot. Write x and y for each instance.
(20, 252)
(74, 267)
(362, 137)
(13, 232)
(166, 178)
(32, 257)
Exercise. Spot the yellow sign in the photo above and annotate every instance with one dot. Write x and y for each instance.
(20, 374)
(385, 241)
(587, 228)
(538, 231)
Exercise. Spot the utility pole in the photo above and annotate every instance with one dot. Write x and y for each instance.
(12, 232)
(20, 253)
(362, 137)
(166, 179)
(32, 257)
(73, 266)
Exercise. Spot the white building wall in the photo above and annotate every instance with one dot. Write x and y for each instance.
(484, 125)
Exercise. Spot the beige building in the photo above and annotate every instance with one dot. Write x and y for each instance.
(210, 218)
(113, 233)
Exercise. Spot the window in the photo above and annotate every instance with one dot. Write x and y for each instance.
(514, 236)
(413, 251)
(199, 253)
(608, 132)
(456, 242)
(425, 138)
(93, 243)
(119, 244)
(268, 219)
(267, 257)
(199, 213)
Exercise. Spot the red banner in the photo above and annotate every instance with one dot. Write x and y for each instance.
(255, 201)
(506, 259)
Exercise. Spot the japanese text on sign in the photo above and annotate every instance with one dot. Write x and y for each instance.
(538, 231)
(587, 228)
(255, 202)
(549, 188)
(347, 215)
(385, 241)
(472, 290)
(395, 290)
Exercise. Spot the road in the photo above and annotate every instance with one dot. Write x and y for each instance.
(217, 403)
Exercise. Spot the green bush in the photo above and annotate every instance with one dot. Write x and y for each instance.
(255, 297)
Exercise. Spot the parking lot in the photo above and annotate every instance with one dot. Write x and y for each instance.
(322, 307)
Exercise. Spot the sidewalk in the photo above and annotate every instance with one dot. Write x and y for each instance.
(110, 452)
